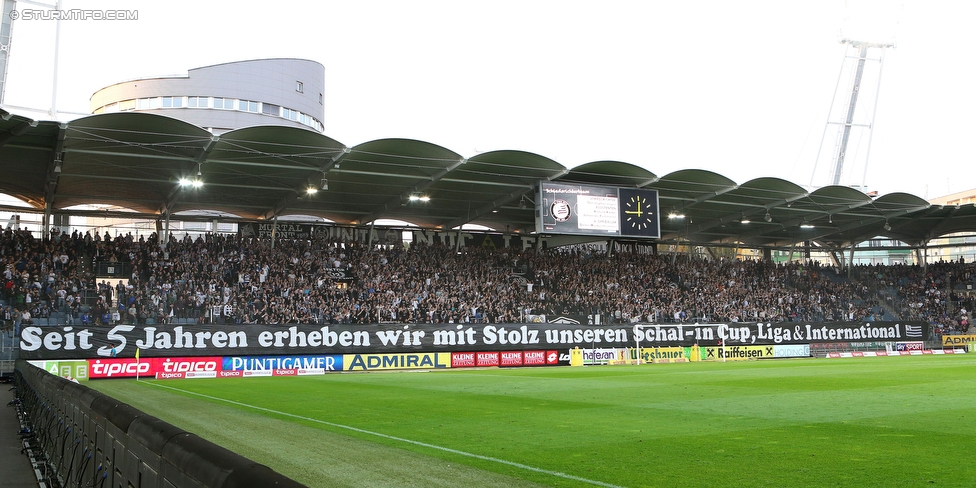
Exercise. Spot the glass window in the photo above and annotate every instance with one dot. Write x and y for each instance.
(143, 104)
(178, 102)
(125, 105)
(167, 102)
(321, 99)
(154, 102)
(270, 109)
(299, 87)
(247, 106)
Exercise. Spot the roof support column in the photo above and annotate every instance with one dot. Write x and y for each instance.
(46, 224)
(838, 259)
(274, 231)
(850, 261)
(166, 232)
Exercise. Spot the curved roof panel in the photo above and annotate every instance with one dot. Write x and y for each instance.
(137, 161)
(614, 173)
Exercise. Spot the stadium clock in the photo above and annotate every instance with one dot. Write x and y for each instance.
(639, 212)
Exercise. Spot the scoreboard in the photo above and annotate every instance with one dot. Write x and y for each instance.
(597, 210)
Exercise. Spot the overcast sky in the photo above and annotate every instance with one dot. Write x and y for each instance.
(740, 88)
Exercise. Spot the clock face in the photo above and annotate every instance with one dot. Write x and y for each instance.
(639, 212)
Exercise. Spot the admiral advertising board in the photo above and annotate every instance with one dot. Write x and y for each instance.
(51, 343)
(958, 340)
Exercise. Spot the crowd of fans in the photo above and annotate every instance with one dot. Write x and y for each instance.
(228, 279)
(938, 295)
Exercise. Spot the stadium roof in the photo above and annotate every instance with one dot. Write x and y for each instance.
(136, 161)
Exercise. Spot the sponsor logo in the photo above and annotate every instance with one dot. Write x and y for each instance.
(552, 357)
(120, 368)
(511, 358)
(189, 364)
(284, 372)
(365, 362)
(463, 360)
(331, 362)
(909, 346)
(230, 374)
(201, 374)
(309, 372)
(534, 358)
(169, 376)
(957, 340)
(488, 359)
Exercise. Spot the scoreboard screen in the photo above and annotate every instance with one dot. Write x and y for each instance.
(597, 210)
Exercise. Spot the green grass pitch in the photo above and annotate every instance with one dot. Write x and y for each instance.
(897, 421)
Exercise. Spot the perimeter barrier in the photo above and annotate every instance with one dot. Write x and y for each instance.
(77, 436)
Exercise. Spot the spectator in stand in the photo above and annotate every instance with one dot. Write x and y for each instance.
(227, 279)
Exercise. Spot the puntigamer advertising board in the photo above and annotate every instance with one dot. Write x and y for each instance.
(42, 343)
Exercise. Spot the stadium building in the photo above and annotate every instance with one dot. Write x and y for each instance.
(228, 96)
(252, 151)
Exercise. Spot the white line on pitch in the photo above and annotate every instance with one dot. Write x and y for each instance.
(399, 439)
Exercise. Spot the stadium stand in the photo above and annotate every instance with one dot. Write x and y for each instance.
(228, 279)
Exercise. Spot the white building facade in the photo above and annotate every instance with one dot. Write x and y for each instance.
(228, 96)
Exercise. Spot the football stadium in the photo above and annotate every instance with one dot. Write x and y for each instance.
(203, 289)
